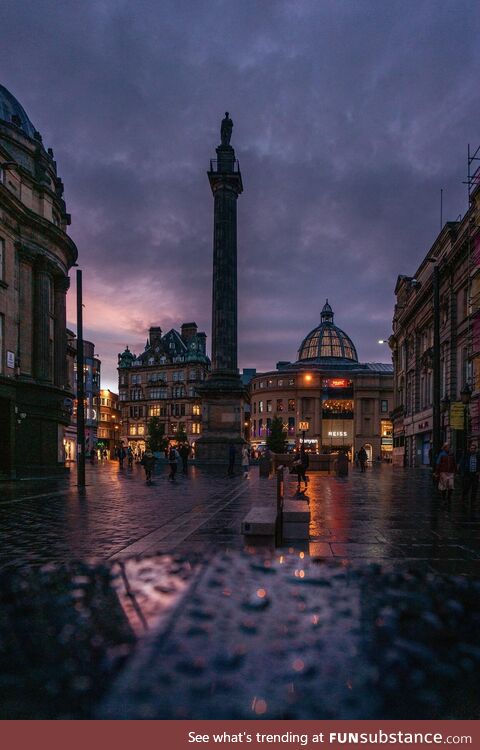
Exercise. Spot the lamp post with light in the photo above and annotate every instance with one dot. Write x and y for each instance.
(465, 395)
(444, 406)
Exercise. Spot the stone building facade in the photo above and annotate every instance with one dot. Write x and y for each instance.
(345, 403)
(92, 376)
(109, 422)
(456, 254)
(35, 257)
(162, 382)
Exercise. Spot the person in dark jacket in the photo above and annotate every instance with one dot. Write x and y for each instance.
(362, 457)
(148, 463)
(470, 471)
(184, 451)
(302, 463)
(446, 467)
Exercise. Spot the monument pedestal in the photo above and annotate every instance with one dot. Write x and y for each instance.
(223, 417)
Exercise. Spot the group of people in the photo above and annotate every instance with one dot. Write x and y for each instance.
(445, 468)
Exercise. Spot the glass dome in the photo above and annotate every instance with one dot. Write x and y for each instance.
(327, 342)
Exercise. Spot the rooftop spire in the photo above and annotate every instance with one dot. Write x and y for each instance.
(327, 313)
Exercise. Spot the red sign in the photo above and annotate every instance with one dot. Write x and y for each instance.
(337, 383)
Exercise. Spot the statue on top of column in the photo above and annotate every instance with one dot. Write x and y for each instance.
(226, 130)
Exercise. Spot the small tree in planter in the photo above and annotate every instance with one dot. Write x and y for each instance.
(277, 441)
(156, 439)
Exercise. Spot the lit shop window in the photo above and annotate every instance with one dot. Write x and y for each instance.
(196, 427)
(196, 409)
(133, 429)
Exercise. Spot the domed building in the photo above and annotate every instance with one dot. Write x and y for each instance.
(35, 257)
(327, 397)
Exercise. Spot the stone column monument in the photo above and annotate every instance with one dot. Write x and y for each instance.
(223, 394)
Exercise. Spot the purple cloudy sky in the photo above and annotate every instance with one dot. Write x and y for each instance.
(349, 117)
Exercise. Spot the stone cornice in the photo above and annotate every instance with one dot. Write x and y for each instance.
(25, 216)
(38, 256)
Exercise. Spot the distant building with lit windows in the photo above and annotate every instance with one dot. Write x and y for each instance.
(161, 382)
(109, 422)
(346, 404)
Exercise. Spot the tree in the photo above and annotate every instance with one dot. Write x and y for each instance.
(156, 439)
(276, 441)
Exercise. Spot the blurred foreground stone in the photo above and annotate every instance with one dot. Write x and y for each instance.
(238, 636)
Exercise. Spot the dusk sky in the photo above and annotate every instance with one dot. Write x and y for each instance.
(349, 117)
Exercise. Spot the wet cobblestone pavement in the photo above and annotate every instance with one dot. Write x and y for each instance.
(391, 516)
(376, 616)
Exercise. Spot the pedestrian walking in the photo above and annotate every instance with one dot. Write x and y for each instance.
(342, 464)
(362, 458)
(121, 456)
(300, 465)
(356, 459)
(148, 463)
(470, 470)
(245, 462)
(184, 455)
(92, 455)
(231, 459)
(445, 468)
(173, 457)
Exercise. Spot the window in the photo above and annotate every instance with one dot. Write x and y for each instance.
(154, 411)
(2, 259)
(133, 429)
(291, 425)
(260, 406)
(262, 384)
(384, 406)
(135, 394)
(196, 428)
(136, 379)
(141, 429)
(254, 407)
(291, 381)
(269, 425)
(280, 382)
(279, 404)
(158, 393)
(291, 404)
(269, 406)
(196, 409)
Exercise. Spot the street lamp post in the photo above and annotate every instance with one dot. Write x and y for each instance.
(444, 405)
(465, 395)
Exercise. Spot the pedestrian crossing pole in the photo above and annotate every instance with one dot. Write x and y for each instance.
(80, 387)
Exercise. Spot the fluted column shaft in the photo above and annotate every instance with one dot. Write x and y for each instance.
(62, 284)
(41, 338)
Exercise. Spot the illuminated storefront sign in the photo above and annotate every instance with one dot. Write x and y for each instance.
(337, 433)
(337, 383)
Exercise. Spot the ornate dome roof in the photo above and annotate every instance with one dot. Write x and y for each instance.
(327, 344)
(12, 112)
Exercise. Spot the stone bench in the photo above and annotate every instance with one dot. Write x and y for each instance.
(296, 520)
(260, 521)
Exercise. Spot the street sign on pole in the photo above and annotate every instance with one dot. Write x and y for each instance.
(457, 413)
(303, 426)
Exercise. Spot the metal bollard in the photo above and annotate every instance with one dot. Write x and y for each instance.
(280, 495)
